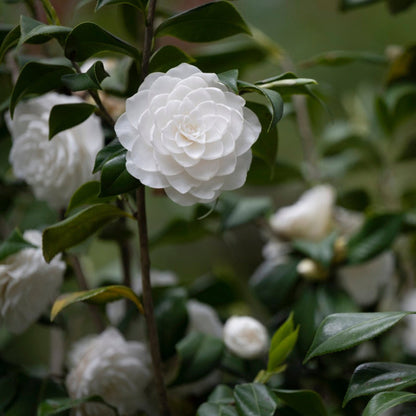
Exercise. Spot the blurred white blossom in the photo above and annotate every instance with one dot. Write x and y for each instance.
(246, 337)
(187, 133)
(203, 318)
(109, 366)
(28, 285)
(309, 218)
(53, 168)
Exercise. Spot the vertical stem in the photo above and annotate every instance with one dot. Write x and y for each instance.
(144, 243)
(51, 15)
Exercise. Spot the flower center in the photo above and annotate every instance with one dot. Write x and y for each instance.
(189, 130)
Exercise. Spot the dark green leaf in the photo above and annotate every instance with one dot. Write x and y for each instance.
(9, 41)
(371, 378)
(334, 58)
(288, 84)
(254, 400)
(168, 57)
(266, 145)
(397, 6)
(214, 409)
(106, 153)
(345, 330)
(230, 78)
(207, 23)
(322, 252)
(91, 80)
(352, 4)
(377, 234)
(409, 151)
(354, 200)
(222, 394)
(139, 4)
(305, 402)
(65, 116)
(115, 179)
(88, 39)
(272, 283)
(33, 31)
(37, 78)
(384, 401)
(14, 243)
(172, 320)
(198, 354)
(77, 228)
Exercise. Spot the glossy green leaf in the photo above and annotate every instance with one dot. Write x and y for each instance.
(386, 400)
(37, 78)
(206, 23)
(341, 331)
(371, 378)
(168, 57)
(322, 252)
(65, 116)
(88, 39)
(91, 80)
(335, 58)
(139, 4)
(377, 234)
(106, 153)
(230, 78)
(75, 229)
(215, 409)
(115, 179)
(33, 31)
(272, 283)
(352, 4)
(287, 84)
(172, 320)
(398, 6)
(13, 244)
(282, 344)
(10, 40)
(254, 400)
(274, 99)
(98, 296)
(305, 402)
(198, 355)
(222, 394)
(266, 145)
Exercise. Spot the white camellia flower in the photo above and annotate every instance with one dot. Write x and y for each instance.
(187, 133)
(28, 284)
(309, 218)
(53, 168)
(246, 337)
(113, 368)
(203, 318)
(364, 281)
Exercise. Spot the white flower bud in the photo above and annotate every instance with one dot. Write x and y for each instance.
(246, 337)
(309, 218)
(53, 168)
(109, 366)
(311, 270)
(28, 285)
(187, 133)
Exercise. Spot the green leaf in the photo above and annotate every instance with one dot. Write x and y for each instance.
(354, 200)
(377, 234)
(13, 244)
(37, 78)
(168, 57)
(246, 210)
(397, 6)
(266, 145)
(106, 153)
(334, 58)
(273, 283)
(11, 40)
(139, 4)
(88, 39)
(34, 32)
(98, 296)
(172, 320)
(59, 405)
(75, 229)
(222, 394)
(91, 80)
(207, 23)
(282, 344)
(274, 98)
(352, 4)
(305, 402)
(322, 252)
(198, 355)
(230, 78)
(65, 116)
(287, 84)
(115, 179)
(384, 401)
(371, 378)
(341, 331)
(215, 409)
(254, 400)
(409, 150)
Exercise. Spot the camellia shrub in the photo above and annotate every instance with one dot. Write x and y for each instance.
(159, 257)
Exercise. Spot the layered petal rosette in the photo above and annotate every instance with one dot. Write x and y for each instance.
(187, 133)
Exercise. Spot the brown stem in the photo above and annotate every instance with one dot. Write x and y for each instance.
(82, 283)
